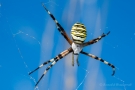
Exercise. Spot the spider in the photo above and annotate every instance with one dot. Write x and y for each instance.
(78, 33)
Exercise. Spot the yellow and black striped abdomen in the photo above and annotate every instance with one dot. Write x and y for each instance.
(78, 33)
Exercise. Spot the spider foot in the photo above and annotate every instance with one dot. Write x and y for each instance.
(108, 33)
(103, 35)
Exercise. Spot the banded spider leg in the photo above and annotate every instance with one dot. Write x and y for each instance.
(59, 27)
(100, 59)
(95, 40)
(53, 62)
(71, 49)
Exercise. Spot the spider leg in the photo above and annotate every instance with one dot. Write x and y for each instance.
(95, 40)
(76, 57)
(100, 59)
(77, 62)
(59, 27)
(42, 65)
(72, 59)
(58, 57)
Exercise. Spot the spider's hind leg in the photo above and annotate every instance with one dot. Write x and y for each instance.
(41, 65)
(100, 59)
(54, 61)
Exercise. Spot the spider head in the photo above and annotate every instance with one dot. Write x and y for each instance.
(78, 33)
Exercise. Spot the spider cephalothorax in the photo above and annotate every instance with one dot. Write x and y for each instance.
(78, 33)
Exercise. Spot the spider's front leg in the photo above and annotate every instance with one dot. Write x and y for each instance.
(100, 59)
(54, 61)
(95, 40)
(59, 27)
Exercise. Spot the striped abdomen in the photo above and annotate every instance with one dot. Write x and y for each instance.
(78, 33)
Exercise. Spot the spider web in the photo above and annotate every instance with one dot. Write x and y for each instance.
(26, 66)
(19, 51)
(83, 79)
(28, 35)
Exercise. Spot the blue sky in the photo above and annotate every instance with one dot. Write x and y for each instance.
(29, 37)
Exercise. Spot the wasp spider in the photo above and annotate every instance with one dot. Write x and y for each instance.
(78, 33)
